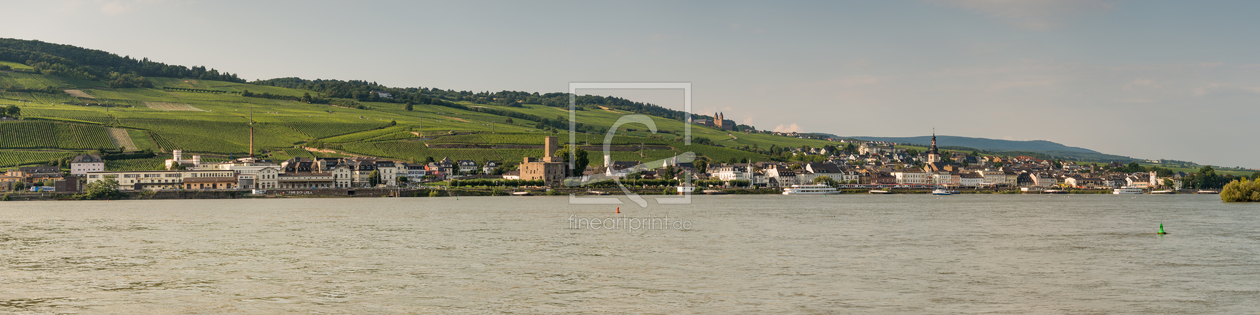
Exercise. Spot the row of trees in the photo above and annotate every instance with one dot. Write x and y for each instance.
(305, 98)
(366, 92)
(91, 64)
(1207, 178)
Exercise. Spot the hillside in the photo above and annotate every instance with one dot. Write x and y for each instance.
(983, 144)
(70, 105)
(75, 100)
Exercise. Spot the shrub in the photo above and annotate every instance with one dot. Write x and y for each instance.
(1241, 191)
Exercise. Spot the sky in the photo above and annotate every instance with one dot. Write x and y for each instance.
(1149, 79)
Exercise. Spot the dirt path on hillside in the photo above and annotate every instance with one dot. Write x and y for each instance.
(330, 151)
(78, 93)
(122, 139)
(167, 106)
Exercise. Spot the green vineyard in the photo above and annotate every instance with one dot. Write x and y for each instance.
(147, 164)
(71, 112)
(50, 135)
(19, 158)
(329, 129)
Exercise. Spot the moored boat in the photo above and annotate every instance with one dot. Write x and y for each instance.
(810, 190)
(941, 192)
(1126, 190)
(880, 192)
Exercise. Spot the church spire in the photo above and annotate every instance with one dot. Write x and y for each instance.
(933, 151)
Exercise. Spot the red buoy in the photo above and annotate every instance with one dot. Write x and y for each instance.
(618, 209)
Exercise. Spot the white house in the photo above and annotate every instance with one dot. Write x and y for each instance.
(467, 166)
(911, 176)
(729, 172)
(970, 179)
(82, 164)
(782, 175)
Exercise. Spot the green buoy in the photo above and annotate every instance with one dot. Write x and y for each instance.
(1161, 229)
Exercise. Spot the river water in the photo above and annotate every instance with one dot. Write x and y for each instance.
(893, 254)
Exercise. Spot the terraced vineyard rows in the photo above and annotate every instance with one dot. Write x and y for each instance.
(71, 112)
(491, 139)
(142, 140)
(406, 150)
(298, 152)
(153, 163)
(390, 133)
(17, 158)
(718, 154)
(320, 130)
(213, 136)
(50, 135)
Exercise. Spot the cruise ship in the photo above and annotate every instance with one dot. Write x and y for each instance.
(1126, 190)
(810, 190)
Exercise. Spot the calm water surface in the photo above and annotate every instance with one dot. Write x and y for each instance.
(742, 254)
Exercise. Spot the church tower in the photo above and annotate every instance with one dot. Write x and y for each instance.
(933, 155)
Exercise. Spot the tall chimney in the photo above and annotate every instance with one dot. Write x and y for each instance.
(251, 131)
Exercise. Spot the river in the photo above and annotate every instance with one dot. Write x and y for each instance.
(889, 254)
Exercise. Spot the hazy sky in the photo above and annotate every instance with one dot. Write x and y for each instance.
(1148, 79)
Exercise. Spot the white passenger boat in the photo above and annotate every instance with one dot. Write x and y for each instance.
(810, 190)
(1126, 190)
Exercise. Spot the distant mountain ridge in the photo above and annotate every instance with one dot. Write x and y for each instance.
(1040, 148)
(983, 143)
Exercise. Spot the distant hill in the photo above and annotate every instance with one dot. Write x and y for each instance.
(1004, 147)
(983, 143)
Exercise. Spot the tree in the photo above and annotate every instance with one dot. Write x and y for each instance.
(826, 180)
(508, 120)
(408, 107)
(428, 159)
(702, 166)
(1168, 183)
(374, 178)
(580, 158)
(103, 189)
(306, 98)
(1241, 191)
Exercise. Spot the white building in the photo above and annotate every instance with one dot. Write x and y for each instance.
(729, 172)
(178, 159)
(82, 164)
(970, 180)
(912, 176)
